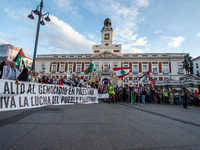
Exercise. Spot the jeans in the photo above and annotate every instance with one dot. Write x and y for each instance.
(189, 101)
(152, 99)
(140, 99)
(184, 101)
(178, 100)
(117, 97)
(143, 98)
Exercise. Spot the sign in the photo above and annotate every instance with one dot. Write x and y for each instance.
(31, 95)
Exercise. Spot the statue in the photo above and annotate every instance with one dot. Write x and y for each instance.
(188, 64)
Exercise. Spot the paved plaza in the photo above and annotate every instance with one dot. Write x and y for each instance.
(101, 126)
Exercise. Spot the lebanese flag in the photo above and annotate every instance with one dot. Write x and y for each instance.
(19, 55)
(121, 72)
(89, 69)
(136, 90)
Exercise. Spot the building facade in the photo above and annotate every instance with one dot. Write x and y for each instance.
(107, 55)
(11, 51)
(196, 69)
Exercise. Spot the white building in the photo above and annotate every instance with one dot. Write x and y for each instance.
(196, 69)
(11, 51)
(108, 55)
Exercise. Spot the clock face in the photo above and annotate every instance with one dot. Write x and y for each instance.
(106, 36)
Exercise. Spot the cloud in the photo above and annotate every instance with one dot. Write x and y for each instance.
(91, 36)
(198, 34)
(129, 49)
(68, 6)
(158, 31)
(176, 41)
(141, 42)
(62, 37)
(143, 3)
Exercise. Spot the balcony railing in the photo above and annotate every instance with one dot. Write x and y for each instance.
(155, 72)
(53, 71)
(165, 72)
(180, 72)
(135, 72)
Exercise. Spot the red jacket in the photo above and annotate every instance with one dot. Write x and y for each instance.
(195, 95)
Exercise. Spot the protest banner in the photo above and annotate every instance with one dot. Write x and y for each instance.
(31, 95)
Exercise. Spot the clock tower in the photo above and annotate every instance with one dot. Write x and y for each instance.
(107, 34)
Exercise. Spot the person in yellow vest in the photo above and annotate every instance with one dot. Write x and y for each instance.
(111, 92)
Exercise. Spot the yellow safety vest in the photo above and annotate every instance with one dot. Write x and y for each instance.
(110, 89)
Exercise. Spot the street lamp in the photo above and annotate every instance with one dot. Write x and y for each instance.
(40, 21)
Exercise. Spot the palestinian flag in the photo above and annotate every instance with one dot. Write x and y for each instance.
(153, 83)
(121, 72)
(62, 82)
(19, 55)
(145, 76)
(89, 69)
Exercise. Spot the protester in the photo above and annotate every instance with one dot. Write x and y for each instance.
(1, 66)
(195, 97)
(23, 76)
(33, 77)
(10, 72)
(184, 94)
(111, 93)
(152, 95)
(133, 96)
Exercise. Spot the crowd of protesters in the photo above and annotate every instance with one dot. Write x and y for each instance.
(141, 95)
(9, 71)
(125, 94)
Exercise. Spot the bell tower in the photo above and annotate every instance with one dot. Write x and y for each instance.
(107, 34)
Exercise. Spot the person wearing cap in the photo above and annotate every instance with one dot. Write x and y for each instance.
(10, 72)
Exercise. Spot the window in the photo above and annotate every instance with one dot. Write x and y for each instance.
(155, 78)
(115, 66)
(54, 67)
(165, 67)
(135, 78)
(62, 67)
(155, 67)
(97, 67)
(42, 67)
(125, 65)
(135, 67)
(86, 66)
(180, 68)
(78, 68)
(27, 61)
(197, 65)
(144, 68)
(70, 68)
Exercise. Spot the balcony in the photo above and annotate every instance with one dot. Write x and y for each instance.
(165, 72)
(61, 71)
(53, 71)
(41, 71)
(180, 72)
(135, 72)
(155, 72)
(135, 80)
(78, 71)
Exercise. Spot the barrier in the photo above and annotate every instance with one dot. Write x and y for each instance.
(31, 95)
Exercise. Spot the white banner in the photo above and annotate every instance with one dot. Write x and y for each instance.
(31, 95)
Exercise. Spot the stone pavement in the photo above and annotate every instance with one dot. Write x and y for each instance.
(101, 126)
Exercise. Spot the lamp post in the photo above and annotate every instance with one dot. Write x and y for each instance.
(40, 21)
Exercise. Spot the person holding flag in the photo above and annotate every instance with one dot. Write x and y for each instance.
(133, 96)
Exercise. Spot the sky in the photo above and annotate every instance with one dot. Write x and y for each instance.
(141, 26)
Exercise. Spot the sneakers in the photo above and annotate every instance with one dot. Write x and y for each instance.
(141, 104)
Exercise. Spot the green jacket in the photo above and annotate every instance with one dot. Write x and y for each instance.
(111, 89)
